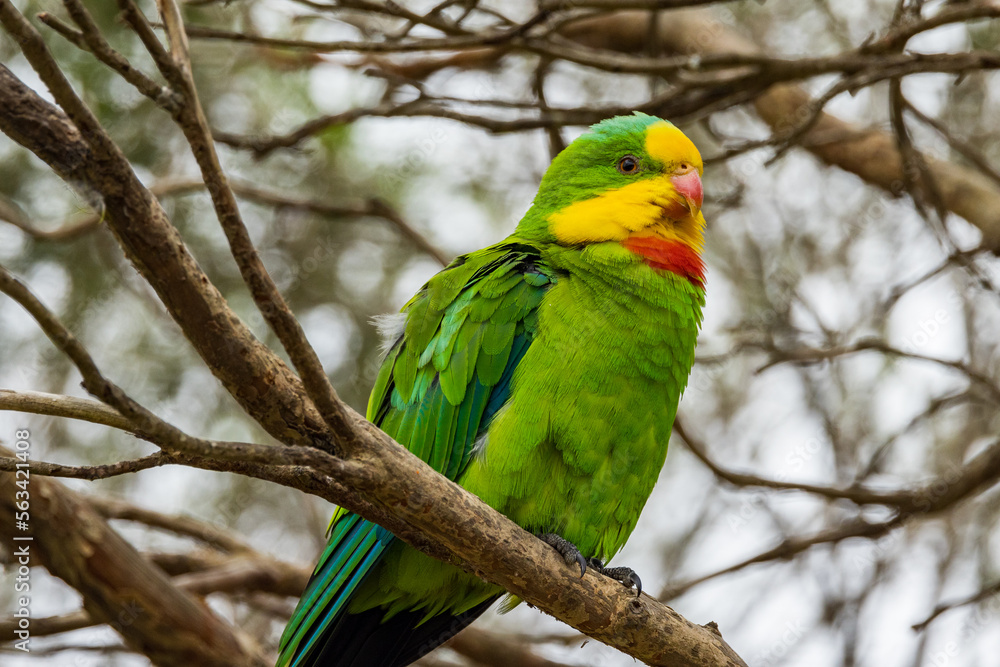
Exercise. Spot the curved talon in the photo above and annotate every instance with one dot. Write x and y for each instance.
(637, 582)
(582, 562)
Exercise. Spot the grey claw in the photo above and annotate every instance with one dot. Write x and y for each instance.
(624, 575)
(566, 549)
(637, 582)
(582, 562)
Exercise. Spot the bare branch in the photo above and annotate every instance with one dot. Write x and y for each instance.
(943, 608)
(88, 472)
(55, 405)
(982, 471)
(118, 585)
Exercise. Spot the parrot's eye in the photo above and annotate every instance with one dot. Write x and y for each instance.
(628, 165)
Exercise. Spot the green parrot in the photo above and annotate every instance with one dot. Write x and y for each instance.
(542, 374)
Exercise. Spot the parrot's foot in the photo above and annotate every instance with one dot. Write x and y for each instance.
(623, 575)
(566, 549)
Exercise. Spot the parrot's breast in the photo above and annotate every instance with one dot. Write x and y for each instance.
(580, 444)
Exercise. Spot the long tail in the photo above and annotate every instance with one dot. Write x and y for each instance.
(362, 640)
(321, 632)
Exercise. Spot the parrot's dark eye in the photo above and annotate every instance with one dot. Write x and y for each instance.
(628, 165)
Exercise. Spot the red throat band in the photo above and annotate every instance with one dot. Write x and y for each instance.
(669, 255)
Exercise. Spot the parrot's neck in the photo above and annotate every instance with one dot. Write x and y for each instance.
(621, 274)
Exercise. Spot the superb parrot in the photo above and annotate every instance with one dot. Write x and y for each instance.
(542, 374)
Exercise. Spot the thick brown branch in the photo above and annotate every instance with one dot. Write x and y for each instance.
(118, 585)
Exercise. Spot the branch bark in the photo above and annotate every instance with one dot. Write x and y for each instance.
(262, 384)
(119, 586)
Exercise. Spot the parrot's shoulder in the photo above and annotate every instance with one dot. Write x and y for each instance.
(483, 275)
(460, 329)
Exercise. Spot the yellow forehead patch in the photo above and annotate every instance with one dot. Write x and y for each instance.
(666, 143)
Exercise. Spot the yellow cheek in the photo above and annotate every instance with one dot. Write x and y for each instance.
(612, 215)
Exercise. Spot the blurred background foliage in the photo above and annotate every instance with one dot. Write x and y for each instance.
(801, 256)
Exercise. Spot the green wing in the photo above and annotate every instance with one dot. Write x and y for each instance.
(442, 380)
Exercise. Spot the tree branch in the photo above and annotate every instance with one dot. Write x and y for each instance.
(118, 585)
(56, 405)
(254, 375)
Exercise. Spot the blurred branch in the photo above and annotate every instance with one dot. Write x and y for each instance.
(790, 547)
(942, 608)
(811, 355)
(964, 149)
(696, 97)
(247, 571)
(51, 625)
(206, 533)
(979, 473)
(66, 232)
(118, 585)
(490, 649)
(372, 207)
(932, 497)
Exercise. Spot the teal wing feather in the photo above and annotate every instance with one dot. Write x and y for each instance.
(441, 382)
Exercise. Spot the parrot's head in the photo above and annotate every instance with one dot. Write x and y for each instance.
(633, 180)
